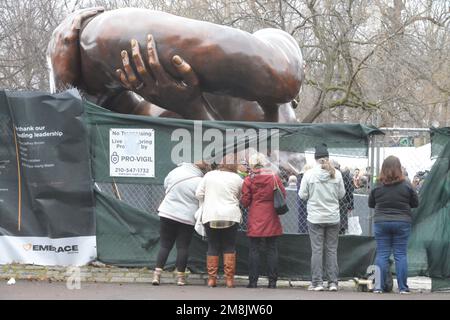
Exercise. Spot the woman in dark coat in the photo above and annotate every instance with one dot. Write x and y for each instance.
(392, 198)
(264, 225)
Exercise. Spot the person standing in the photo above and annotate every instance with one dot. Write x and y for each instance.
(346, 204)
(220, 192)
(356, 176)
(176, 214)
(323, 187)
(393, 197)
(301, 204)
(263, 224)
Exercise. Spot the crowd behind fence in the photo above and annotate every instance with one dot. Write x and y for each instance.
(359, 174)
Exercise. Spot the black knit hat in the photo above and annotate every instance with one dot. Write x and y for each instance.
(321, 151)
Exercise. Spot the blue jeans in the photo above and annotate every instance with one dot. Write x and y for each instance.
(392, 236)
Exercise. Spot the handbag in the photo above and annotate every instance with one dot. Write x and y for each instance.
(279, 201)
(199, 227)
(354, 227)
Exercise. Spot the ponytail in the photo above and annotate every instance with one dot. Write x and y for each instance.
(326, 165)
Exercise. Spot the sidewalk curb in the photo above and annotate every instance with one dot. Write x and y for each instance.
(102, 273)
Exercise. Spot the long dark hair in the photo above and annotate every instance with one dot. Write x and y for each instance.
(391, 171)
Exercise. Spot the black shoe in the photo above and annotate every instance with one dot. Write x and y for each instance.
(272, 285)
(251, 285)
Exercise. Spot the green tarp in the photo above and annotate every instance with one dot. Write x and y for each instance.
(129, 237)
(350, 139)
(429, 245)
(439, 138)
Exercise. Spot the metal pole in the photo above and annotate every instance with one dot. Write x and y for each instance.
(372, 180)
(405, 129)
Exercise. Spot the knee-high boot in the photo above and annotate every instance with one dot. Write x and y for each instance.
(229, 268)
(212, 266)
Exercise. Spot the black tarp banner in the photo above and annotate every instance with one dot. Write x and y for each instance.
(46, 198)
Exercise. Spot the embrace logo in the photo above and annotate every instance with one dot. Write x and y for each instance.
(50, 248)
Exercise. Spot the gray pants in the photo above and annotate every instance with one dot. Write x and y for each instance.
(324, 244)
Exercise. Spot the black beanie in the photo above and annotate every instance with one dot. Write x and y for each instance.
(321, 151)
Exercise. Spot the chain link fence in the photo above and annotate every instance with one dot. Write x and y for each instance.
(412, 146)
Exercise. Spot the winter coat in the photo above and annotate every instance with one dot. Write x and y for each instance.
(323, 195)
(393, 202)
(180, 203)
(257, 195)
(220, 192)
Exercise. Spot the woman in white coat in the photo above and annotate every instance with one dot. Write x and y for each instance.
(220, 191)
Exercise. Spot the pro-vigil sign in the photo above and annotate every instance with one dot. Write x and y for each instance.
(132, 153)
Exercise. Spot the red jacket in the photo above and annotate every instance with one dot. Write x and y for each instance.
(257, 195)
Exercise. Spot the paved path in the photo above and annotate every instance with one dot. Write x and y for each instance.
(24, 289)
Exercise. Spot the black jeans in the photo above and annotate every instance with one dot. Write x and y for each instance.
(221, 240)
(170, 232)
(256, 244)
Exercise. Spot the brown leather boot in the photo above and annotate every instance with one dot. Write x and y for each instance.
(229, 268)
(212, 266)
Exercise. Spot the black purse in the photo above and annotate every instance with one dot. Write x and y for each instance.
(279, 202)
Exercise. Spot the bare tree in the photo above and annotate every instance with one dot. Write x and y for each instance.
(385, 62)
(25, 27)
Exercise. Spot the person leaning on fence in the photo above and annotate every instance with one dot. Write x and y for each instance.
(393, 197)
(220, 192)
(323, 187)
(176, 214)
(263, 224)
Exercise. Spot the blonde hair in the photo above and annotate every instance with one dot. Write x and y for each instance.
(292, 179)
(326, 165)
(258, 159)
(231, 167)
(203, 166)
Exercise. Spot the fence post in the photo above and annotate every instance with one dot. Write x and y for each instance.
(373, 175)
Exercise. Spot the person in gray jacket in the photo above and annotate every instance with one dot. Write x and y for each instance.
(323, 187)
(176, 214)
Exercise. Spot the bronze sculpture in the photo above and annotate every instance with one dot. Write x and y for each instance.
(265, 67)
(179, 67)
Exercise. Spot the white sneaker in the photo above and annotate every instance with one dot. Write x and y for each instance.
(333, 287)
(377, 291)
(315, 288)
(156, 276)
(405, 292)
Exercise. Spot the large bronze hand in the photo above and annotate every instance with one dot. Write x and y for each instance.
(154, 84)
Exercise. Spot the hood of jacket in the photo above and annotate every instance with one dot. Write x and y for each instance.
(190, 169)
